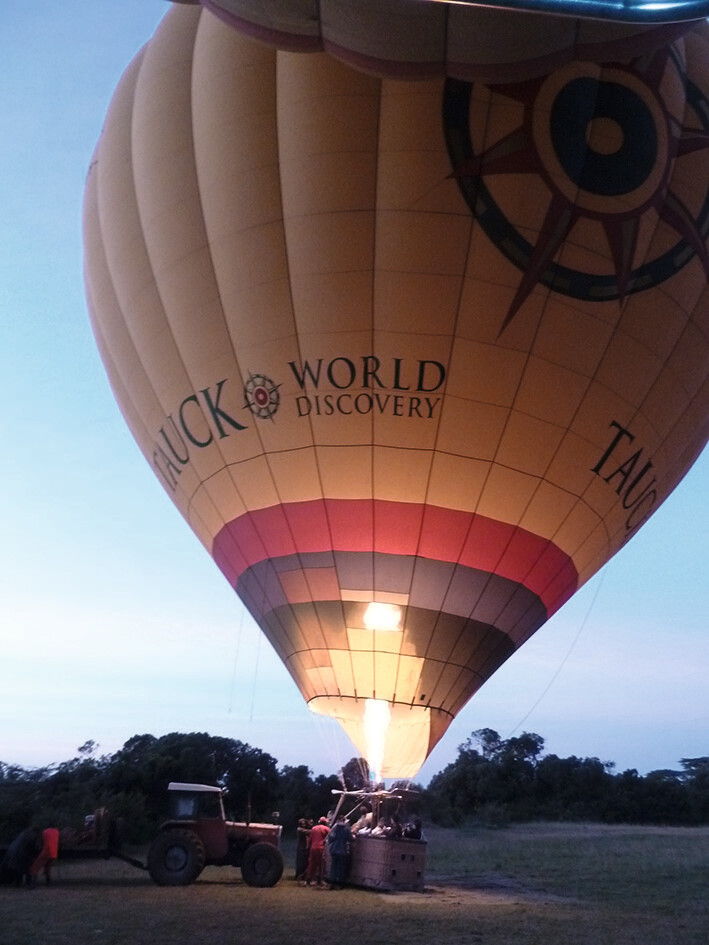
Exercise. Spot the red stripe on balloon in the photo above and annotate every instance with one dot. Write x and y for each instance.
(397, 528)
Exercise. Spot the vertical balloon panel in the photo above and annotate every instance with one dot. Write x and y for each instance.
(413, 358)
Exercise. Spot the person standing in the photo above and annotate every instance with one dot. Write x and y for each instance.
(339, 843)
(318, 835)
(301, 849)
(47, 856)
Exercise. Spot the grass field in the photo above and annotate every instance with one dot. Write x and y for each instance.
(540, 884)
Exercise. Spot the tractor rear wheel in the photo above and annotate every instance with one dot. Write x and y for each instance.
(175, 858)
(262, 865)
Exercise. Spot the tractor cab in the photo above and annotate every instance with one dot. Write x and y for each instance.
(195, 801)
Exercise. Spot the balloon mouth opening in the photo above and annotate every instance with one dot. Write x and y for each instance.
(395, 739)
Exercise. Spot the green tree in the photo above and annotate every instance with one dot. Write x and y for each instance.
(695, 777)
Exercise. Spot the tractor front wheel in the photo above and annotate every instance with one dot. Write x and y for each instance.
(262, 865)
(175, 858)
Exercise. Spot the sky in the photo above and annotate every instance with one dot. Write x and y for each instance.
(114, 621)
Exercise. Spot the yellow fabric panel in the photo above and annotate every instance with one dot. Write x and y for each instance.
(659, 327)
(412, 154)
(121, 335)
(141, 302)
(687, 360)
(345, 473)
(471, 429)
(384, 641)
(117, 236)
(236, 157)
(590, 556)
(294, 472)
(417, 302)
(547, 509)
(524, 433)
(680, 443)
(423, 242)
(347, 672)
(363, 673)
(322, 679)
(342, 295)
(329, 243)
(456, 481)
(409, 739)
(233, 110)
(401, 475)
(386, 667)
(627, 368)
(171, 215)
(583, 533)
(219, 500)
(169, 203)
(327, 165)
(550, 392)
(581, 340)
(304, 639)
(487, 291)
(205, 514)
(506, 494)
(256, 484)
(485, 372)
(600, 402)
(328, 176)
(408, 675)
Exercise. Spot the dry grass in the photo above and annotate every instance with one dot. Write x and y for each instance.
(531, 885)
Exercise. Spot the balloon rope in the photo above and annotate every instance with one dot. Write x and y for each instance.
(259, 637)
(568, 653)
(236, 660)
(328, 733)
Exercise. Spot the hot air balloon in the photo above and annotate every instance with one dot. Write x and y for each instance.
(411, 323)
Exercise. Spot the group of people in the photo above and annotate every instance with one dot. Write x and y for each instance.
(337, 837)
(310, 852)
(32, 852)
(390, 827)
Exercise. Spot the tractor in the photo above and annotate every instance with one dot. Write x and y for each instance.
(198, 835)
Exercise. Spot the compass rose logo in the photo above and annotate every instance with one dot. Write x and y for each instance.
(262, 396)
(597, 147)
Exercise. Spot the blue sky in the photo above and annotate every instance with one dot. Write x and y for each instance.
(114, 620)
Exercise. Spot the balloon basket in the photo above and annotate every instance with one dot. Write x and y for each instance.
(388, 864)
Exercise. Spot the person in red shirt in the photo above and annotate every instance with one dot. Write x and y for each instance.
(48, 854)
(316, 852)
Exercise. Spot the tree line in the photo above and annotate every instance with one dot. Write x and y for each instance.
(500, 780)
(493, 781)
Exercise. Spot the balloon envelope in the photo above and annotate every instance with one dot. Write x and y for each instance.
(422, 38)
(413, 358)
